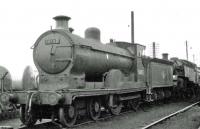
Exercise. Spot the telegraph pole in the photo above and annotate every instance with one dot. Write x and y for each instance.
(132, 27)
(186, 44)
(154, 50)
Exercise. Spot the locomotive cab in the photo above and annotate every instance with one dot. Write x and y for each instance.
(136, 49)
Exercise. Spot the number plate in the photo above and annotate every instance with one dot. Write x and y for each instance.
(52, 41)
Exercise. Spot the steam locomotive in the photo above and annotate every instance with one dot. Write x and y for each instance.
(79, 77)
(7, 109)
(187, 77)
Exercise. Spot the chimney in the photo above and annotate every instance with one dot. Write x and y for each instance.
(111, 40)
(165, 56)
(93, 33)
(62, 22)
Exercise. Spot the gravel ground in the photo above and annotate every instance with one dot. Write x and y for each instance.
(138, 119)
(13, 123)
(134, 120)
(16, 123)
(187, 120)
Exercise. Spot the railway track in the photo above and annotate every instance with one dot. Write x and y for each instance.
(55, 125)
(151, 125)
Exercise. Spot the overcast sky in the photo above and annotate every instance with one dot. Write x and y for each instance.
(168, 23)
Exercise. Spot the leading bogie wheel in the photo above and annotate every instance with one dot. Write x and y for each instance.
(26, 118)
(94, 109)
(68, 115)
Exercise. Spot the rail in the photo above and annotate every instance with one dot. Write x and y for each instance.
(169, 116)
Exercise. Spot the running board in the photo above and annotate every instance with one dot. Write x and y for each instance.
(129, 97)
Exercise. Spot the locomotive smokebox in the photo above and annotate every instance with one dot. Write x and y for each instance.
(62, 22)
(93, 33)
(165, 56)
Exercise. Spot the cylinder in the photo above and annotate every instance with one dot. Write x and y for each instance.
(93, 33)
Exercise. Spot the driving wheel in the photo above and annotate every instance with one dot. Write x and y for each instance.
(94, 109)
